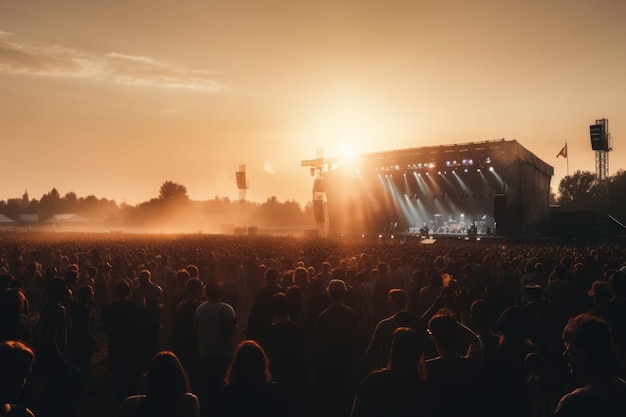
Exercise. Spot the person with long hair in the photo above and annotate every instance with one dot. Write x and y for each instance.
(400, 388)
(167, 392)
(249, 389)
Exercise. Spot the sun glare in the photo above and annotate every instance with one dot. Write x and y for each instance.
(346, 125)
(349, 154)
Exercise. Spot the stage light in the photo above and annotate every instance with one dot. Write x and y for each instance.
(478, 170)
(465, 170)
(491, 169)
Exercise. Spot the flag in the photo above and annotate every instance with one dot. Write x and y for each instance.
(563, 152)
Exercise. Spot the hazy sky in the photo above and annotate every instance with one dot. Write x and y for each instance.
(115, 97)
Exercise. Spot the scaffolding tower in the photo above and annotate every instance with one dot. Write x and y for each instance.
(242, 185)
(601, 143)
(318, 166)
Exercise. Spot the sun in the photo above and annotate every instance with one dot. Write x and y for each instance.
(348, 153)
(346, 125)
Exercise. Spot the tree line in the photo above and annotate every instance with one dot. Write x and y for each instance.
(172, 208)
(582, 191)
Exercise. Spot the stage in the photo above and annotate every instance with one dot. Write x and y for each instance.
(475, 190)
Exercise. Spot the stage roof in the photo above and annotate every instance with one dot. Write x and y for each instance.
(473, 153)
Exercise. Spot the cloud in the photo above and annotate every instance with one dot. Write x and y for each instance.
(60, 61)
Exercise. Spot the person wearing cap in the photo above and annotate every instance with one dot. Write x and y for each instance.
(337, 332)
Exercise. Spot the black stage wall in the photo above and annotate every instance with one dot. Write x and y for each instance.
(498, 187)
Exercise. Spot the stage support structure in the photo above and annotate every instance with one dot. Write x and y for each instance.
(242, 185)
(601, 143)
(318, 166)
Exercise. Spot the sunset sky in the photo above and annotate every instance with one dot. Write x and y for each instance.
(113, 98)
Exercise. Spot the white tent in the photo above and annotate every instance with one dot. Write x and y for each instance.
(4, 220)
(29, 218)
(68, 218)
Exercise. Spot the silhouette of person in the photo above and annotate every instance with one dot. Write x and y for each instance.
(429, 293)
(617, 312)
(129, 345)
(167, 391)
(82, 342)
(454, 377)
(286, 347)
(249, 390)
(14, 323)
(215, 323)
(16, 360)
(590, 357)
(380, 291)
(377, 353)
(400, 388)
(261, 312)
(335, 352)
(184, 339)
(152, 297)
(52, 350)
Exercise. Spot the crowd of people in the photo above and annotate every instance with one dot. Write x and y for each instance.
(200, 325)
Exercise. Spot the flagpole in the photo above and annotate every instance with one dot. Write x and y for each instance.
(567, 158)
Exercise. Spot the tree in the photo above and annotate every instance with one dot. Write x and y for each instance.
(617, 204)
(70, 202)
(49, 204)
(172, 191)
(578, 190)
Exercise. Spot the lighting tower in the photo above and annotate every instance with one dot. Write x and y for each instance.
(242, 185)
(318, 166)
(601, 143)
